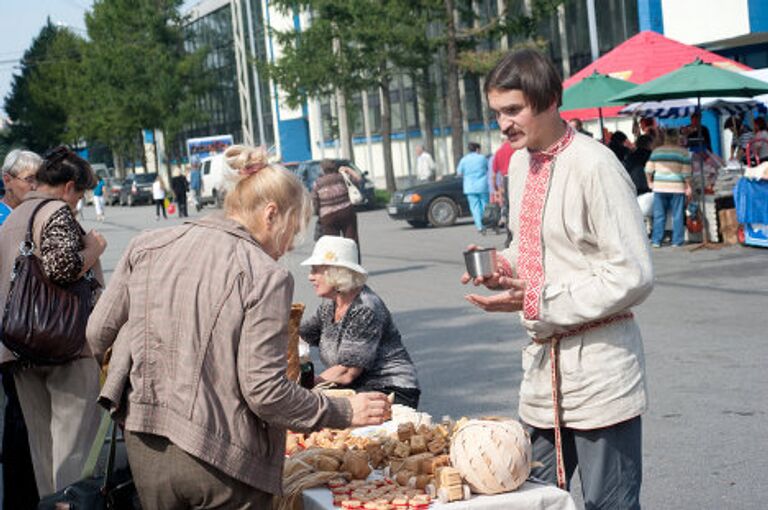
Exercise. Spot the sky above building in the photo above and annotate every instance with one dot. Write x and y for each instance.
(22, 20)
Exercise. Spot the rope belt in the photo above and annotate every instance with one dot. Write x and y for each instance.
(554, 361)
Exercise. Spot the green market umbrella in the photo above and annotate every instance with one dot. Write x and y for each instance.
(697, 79)
(594, 91)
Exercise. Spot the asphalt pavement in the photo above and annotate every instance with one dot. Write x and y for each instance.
(704, 327)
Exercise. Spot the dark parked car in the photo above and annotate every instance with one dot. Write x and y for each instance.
(438, 203)
(309, 171)
(136, 189)
(112, 191)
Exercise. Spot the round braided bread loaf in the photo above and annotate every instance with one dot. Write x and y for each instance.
(492, 456)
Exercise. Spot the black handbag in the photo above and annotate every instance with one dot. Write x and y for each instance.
(491, 215)
(112, 491)
(44, 323)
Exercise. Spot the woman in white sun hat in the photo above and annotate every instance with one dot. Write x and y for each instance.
(358, 340)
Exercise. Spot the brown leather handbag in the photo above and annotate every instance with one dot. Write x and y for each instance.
(44, 323)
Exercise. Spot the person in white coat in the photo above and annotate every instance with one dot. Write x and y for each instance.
(425, 165)
(158, 196)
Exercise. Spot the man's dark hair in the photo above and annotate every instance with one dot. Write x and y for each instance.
(530, 72)
(61, 165)
(329, 166)
(643, 142)
(473, 147)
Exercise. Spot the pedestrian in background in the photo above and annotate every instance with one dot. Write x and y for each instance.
(669, 176)
(179, 186)
(635, 164)
(498, 180)
(19, 486)
(425, 165)
(335, 213)
(618, 145)
(158, 196)
(98, 199)
(58, 401)
(196, 184)
(198, 370)
(578, 126)
(473, 168)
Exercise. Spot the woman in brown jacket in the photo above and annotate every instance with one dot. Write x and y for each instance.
(198, 319)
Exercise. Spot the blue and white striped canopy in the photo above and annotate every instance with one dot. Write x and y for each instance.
(678, 108)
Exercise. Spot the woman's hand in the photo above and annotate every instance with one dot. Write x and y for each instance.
(370, 409)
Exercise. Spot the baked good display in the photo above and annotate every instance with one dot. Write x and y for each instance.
(406, 465)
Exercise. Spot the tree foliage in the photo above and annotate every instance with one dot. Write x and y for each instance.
(137, 73)
(131, 73)
(39, 103)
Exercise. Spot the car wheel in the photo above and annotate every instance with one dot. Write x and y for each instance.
(442, 212)
(418, 223)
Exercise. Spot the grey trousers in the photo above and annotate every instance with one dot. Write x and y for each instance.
(609, 460)
(168, 478)
(62, 416)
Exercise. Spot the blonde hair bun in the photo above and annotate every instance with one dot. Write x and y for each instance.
(246, 160)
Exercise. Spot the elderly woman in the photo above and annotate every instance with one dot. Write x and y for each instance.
(358, 340)
(58, 401)
(19, 169)
(198, 319)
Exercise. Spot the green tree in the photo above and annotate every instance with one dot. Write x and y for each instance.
(40, 100)
(136, 74)
(352, 46)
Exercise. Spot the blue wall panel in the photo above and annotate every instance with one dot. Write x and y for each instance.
(294, 139)
(758, 16)
(650, 15)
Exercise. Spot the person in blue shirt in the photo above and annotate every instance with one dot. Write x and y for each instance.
(473, 168)
(196, 184)
(98, 199)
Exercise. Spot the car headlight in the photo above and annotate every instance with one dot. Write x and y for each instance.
(412, 198)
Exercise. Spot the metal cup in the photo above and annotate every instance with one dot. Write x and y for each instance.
(480, 262)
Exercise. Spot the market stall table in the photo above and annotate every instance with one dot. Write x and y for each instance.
(530, 496)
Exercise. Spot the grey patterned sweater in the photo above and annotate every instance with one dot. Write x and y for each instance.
(366, 338)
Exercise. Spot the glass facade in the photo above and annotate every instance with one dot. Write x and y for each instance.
(213, 31)
(617, 20)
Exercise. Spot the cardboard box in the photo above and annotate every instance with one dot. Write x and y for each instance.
(729, 226)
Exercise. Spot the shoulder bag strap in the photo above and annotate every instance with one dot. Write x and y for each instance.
(28, 246)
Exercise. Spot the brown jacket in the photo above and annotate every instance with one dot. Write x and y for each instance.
(198, 315)
(12, 233)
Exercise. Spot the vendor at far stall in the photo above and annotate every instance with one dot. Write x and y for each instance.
(359, 342)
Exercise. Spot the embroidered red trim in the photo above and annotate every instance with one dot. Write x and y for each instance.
(530, 260)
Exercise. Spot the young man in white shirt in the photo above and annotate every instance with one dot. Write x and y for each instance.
(578, 261)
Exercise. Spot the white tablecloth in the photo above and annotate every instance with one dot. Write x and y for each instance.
(531, 496)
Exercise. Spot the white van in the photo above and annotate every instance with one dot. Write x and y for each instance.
(215, 172)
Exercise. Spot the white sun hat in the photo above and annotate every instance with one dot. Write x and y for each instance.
(335, 251)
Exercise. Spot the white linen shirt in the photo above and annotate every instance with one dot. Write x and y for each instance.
(597, 263)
